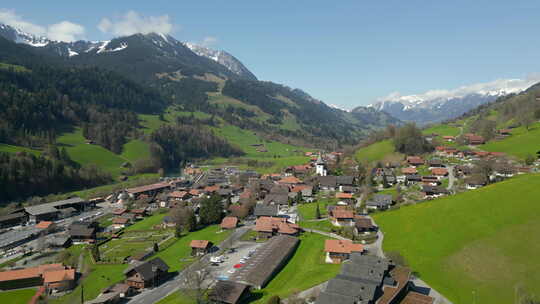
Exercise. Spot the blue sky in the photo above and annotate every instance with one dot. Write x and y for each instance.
(346, 53)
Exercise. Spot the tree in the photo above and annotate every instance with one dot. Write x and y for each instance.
(530, 159)
(95, 252)
(197, 282)
(485, 168)
(156, 247)
(526, 119)
(211, 210)
(397, 258)
(318, 212)
(410, 140)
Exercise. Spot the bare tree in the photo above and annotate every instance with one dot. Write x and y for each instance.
(197, 282)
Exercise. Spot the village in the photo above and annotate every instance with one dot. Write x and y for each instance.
(251, 225)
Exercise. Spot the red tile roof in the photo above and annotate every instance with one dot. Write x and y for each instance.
(229, 222)
(119, 211)
(439, 171)
(44, 225)
(178, 194)
(341, 195)
(342, 246)
(342, 214)
(120, 220)
(59, 275)
(299, 188)
(290, 180)
(417, 298)
(409, 170)
(27, 273)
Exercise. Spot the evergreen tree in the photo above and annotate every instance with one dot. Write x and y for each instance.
(318, 212)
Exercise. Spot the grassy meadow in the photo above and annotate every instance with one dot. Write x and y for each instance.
(483, 241)
(19, 296)
(378, 151)
(520, 144)
(14, 149)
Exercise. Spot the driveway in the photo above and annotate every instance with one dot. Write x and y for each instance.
(174, 284)
(451, 178)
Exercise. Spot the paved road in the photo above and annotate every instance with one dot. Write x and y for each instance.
(173, 284)
(451, 177)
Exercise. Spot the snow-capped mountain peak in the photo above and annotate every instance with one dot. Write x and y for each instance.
(221, 57)
(438, 105)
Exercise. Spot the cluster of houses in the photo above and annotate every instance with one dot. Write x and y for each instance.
(54, 277)
(369, 279)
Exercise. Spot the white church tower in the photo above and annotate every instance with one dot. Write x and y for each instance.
(320, 167)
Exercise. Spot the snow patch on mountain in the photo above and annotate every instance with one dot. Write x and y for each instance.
(438, 105)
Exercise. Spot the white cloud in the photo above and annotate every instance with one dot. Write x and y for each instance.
(63, 31)
(132, 23)
(208, 41)
(497, 86)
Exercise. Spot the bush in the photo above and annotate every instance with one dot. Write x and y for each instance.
(274, 300)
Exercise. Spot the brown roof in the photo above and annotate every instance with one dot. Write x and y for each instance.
(211, 189)
(59, 275)
(44, 225)
(342, 246)
(417, 298)
(229, 222)
(119, 211)
(289, 180)
(364, 222)
(342, 195)
(27, 273)
(199, 244)
(269, 224)
(409, 170)
(138, 211)
(449, 137)
(415, 160)
(342, 214)
(401, 275)
(178, 194)
(194, 192)
(228, 292)
(299, 188)
(148, 188)
(120, 220)
(439, 171)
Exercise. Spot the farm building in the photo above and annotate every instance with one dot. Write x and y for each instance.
(338, 251)
(270, 258)
(146, 274)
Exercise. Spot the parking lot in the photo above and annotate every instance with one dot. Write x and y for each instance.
(224, 270)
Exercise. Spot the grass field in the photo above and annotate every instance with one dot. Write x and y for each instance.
(376, 152)
(178, 255)
(309, 211)
(20, 296)
(14, 149)
(85, 154)
(442, 130)
(135, 149)
(305, 269)
(520, 144)
(148, 223)
(483, 241)
(279, 154)
(324, 225)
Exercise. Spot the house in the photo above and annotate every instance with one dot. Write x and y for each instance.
(435, 163)
(417, 298)
(269, 259)
(13, 219)
(178, 195)
(413, 178)
(439, 172)
(59, 279)
(150, 190)
(449, 138)
(327, 183)
(146, 274)
(415, 161)
(46, 227)
(138, 213)
(364, 224)
(409, 171)
(52, 276)
(83, 232)
(119, 211)
(431, 180)
(229, 222)
(342, 217)
(267, 227)
(289, 181)
(168, 222)
(59, 241)
(280, 199)
(200, 247)
(345, 197)
(505, 132)
(434, 191)
(266, 210)
(380, 202)
(475, 139)
(53, 211)
(120, 222)
(229, 292)
(473, 182)
(338, 251)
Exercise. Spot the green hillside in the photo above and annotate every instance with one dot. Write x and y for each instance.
(520, 144)
(483, 241)
(376, 152)
(14, 149)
